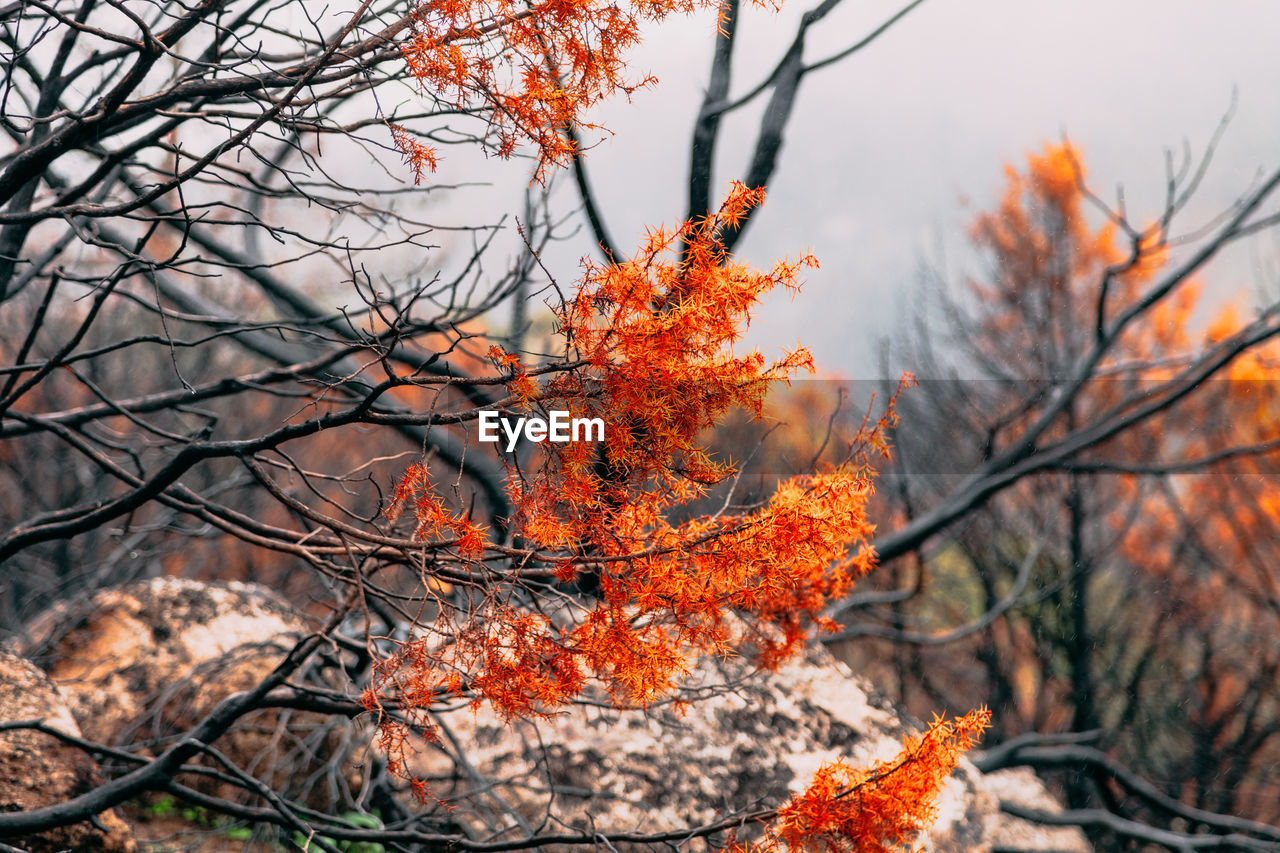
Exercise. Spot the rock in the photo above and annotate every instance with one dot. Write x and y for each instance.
(148, 660)
(36, 769)
(144, 662)
(1020, 785)
(749, 744)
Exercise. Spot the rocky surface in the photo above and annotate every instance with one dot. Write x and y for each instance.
(144, 662)
(120, 652)
(1020, 785)
(751, 744)
(37, 769)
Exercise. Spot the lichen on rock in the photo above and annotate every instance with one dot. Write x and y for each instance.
(744, 740)
(37, 769)
(142, 663)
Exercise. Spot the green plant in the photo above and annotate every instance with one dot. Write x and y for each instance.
(356, 820)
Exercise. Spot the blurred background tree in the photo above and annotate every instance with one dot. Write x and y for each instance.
(1119, 593)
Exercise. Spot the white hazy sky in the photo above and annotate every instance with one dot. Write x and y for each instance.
(884, 149)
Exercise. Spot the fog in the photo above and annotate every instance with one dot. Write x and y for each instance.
(891, 152)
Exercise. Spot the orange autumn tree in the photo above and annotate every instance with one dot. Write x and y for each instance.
(1205, 544)
(1149, 552)
(648, 349)
(1188, 501)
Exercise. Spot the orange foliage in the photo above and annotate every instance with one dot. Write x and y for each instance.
(1047, 262)
(533, 68)
(1181, 564)
(1200, 547)
(876, 809)
(649, 350)
(1233, 505)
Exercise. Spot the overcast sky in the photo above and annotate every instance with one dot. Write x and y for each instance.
(885, 150)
